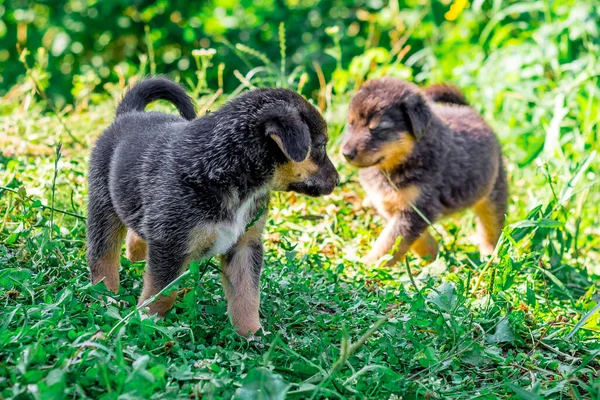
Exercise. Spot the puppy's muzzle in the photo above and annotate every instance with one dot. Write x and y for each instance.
(349, 148)
(349, 154)
(320, 184)
(357, 153)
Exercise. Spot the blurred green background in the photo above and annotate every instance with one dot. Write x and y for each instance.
(531, 63)
(87, 39)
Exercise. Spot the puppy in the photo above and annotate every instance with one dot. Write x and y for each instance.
(424, 154)
(184, 188)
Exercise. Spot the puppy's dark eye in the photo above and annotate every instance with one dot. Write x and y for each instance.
(384, 131)
(320, 150)
(320, 143)
(385, 124)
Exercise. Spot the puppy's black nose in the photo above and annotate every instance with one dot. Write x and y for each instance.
(349, 154)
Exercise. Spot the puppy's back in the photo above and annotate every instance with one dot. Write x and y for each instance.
(463, 120)
(451, 105)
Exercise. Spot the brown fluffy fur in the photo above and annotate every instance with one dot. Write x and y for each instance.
(424, 154)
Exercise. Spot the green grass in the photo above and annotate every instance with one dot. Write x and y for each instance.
(524, 324)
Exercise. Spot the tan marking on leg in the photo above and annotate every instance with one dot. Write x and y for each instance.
(426, 247)
(136, 247)
(386, 242)
(107, 269)
(243, 297)
(395, 201)
(399, 254)
(489, 226)
(239, 282)
(162, 304)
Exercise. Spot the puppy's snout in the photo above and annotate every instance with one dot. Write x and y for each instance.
(349, 154)
(331, 180)
(329, 183)
(334, 182)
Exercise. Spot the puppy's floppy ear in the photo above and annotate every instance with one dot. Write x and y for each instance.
(419, 114)
(284, 125)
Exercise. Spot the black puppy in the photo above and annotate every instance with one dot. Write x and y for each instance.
(186, 188)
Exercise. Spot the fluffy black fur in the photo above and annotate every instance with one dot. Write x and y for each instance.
(188, 187)
(154, 89)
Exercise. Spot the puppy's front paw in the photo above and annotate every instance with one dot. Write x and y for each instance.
(118, 303)
(248, 329)
(367, 202)
(369, 259)
(159, 306)
(374, 260)
(154, 317)
(486, 249)
(391, 262)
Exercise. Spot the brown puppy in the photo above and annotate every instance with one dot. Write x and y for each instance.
(424, 154)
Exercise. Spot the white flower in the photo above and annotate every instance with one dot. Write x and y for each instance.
(204, 52)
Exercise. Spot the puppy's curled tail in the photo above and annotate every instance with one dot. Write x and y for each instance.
(444, 93)
(149, 90)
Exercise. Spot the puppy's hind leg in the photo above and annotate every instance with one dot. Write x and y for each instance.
(166, 261)
(136, 247)
(105, 233)
(491, 215)
(409, 226)
(426, 247)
